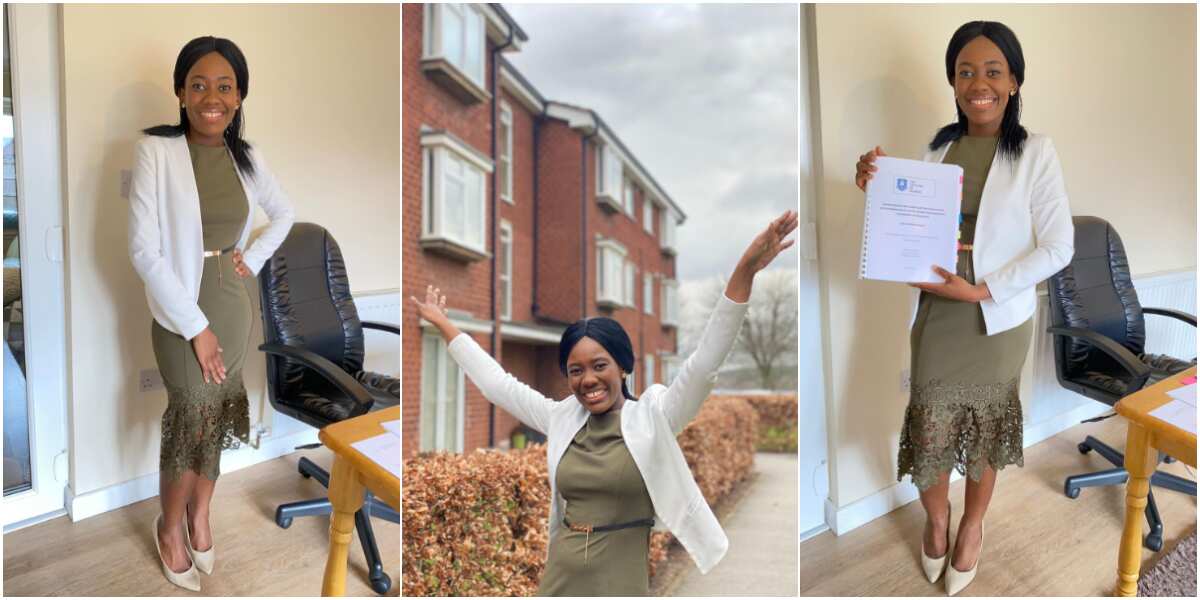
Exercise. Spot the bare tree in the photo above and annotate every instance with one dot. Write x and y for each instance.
(769, 335)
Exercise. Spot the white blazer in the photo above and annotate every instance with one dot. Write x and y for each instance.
(648, 426)
(1023, 233)
(165, 232)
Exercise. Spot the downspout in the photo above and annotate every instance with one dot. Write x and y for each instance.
(583, 233)
(495, 225)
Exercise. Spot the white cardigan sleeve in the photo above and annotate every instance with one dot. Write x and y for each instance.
(1054, 234)
(698, 375)
(275, 203)
(500, 387)
(145, 246)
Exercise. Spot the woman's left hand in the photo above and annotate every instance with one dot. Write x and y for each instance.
(955, 287)
(239, 264)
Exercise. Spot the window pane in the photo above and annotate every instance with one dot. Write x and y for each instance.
(601, 289)
(473, 59)
(429, 397)
(450, 399)
(473, 197)
(454, 198)
(453, 32)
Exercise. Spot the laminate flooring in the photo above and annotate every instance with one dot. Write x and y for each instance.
(1038, 541)
(113, 554)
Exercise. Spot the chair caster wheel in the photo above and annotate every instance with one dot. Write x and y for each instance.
(305, 475)
(1153, 542)
(1071, 492)
(1168, 459)
(381, 584)
(1084, 448)
(283, 521)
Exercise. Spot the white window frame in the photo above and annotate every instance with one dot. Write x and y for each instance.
(504, 158)
(505, 275)
(446, 367)
(473, 30)
(648, 363)
(628, 287)
(439, 150)
(670, 300)
(667, 230)
(608, 176)
(648, 293)
(647, 214)
(611, 293)
(670, 369)
(632, 380)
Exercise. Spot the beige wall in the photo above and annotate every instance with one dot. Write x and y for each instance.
(1113, 85)
(324, 108)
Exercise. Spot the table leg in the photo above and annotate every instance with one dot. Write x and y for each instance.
(1140, 462)
(346, 496)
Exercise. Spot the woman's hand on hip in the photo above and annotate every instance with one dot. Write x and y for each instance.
(208, 354)
(865, 166)
(433, 309)
(955, 287)
(239, 264)
(761, 251)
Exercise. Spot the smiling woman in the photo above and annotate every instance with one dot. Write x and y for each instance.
(615, 468)
(971, 333)
(192, 198)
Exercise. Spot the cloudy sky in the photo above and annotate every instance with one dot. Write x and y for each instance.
(704, 95)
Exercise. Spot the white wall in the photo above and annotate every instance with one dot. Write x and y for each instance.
(324, 109)
(1113, 85)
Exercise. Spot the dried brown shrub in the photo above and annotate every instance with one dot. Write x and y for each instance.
(777, 420)
(476, 524)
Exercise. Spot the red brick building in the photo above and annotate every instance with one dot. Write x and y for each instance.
(529, 213)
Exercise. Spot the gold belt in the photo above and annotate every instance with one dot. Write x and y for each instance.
(220, 270)
(962, 247)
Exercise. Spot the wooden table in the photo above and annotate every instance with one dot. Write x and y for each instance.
(1146, 436)
(353, 473)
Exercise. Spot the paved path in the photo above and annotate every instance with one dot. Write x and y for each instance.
(762, 556)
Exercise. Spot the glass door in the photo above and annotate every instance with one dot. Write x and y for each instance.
(35, 432)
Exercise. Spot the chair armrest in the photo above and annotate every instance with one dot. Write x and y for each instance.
(1119, 353)
(325, 368)
(1174, 314)
(388, 327)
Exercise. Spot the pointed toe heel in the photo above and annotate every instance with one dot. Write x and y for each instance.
(934, 567)
(189, 579)
(957, 581)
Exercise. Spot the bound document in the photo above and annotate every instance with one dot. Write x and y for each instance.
(911, 221)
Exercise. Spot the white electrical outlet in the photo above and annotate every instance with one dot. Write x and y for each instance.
(150, 380)
(905, 381)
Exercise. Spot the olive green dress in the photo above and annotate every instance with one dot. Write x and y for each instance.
(964, 411)
(203, 418)
(602, 486)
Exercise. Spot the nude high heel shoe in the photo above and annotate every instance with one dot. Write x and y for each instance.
(935, 566)
(957, 580)
(203, 560)
(189, 579)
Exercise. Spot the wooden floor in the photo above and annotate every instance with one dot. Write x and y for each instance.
(113, 554)
(1038, 541)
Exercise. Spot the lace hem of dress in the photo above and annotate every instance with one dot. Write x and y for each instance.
(961, 427)
(199, 423)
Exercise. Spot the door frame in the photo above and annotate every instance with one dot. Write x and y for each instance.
(36, 65)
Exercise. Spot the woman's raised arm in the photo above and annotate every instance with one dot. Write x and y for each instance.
(698, 374)
(498, 386)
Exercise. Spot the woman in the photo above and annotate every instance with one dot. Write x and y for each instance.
(970, 333)
(612, 457)
(194, 189)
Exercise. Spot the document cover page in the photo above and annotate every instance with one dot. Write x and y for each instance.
(911, 220)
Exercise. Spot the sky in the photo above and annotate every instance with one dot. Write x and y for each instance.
(705, 96)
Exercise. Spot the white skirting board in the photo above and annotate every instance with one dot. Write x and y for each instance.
(382, 356)
(1048, 408)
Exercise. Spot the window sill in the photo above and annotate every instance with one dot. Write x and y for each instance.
(508, 200)
(669, 324)
(454, 80)
(452, 249)
(669, 250)
(608, 202)
(609, 303)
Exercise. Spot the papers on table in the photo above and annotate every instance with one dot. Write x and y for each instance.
(392, 426)
(384, 448)
(1181, 410)
(911, 220)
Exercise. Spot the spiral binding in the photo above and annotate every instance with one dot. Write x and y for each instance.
(862, 267)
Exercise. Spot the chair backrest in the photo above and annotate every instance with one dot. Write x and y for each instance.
(306, 302)
(1095, 291)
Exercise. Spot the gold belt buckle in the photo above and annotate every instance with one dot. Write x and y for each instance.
(211, 253)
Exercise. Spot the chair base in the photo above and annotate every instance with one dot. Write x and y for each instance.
(372, 507)
(1118, 476)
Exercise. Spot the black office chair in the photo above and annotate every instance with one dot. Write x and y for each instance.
(1099, 349)
(314, 345)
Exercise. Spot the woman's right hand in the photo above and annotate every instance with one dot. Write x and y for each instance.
(865, 167)
(208, 354)
(433, 309)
